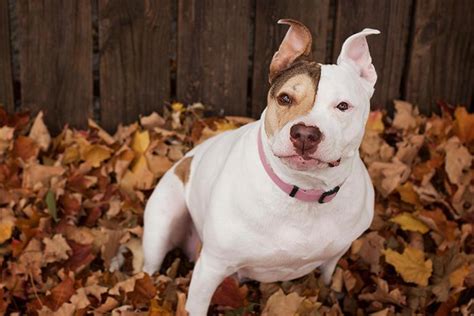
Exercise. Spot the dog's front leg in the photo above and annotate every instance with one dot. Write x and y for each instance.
(208, 274)
(328, 267)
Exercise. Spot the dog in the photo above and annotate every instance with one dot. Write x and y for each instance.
(279, 197)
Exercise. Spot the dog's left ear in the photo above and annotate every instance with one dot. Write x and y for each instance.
(355, 51)
(297, 42)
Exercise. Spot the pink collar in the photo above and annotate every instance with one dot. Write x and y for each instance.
(292, 190)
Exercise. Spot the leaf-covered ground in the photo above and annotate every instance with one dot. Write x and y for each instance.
(71, 221)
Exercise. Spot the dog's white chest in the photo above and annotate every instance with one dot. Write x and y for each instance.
(267, 235)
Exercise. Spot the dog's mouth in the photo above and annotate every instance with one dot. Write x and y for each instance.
(305, 161)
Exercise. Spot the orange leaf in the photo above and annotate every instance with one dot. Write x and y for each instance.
(60, 294)
(25, 148)
(464, 125)
(230, 294)
(143, 291)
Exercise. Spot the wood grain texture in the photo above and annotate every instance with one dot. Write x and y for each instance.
(269, 34)
(134, 59)
(388, 50)
(6, 78)
(441, 64)
(56, 60)
(213, 49)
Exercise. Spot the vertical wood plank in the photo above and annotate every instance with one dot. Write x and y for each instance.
(6, 78)
(212, 60)
(388, 50)
(56, 60)
(268, 36)
(134, 41)
(441, 64)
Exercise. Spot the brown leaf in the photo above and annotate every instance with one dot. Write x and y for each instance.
(56, 249)
(39, 176)
(458, 162)
(229, 293)
(280, 304)
(384, 295)
(81, 256)
(39, 132)
(6, 137)
(25, 148)
(60, 294)
(151, 121)
(404, 115)
(143, 291)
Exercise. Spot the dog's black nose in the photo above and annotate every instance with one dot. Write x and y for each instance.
(305, 138)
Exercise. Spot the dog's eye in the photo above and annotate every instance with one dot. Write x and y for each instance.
(284, 99)
(343, 106)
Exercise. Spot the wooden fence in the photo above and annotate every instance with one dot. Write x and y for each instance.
(117, 59)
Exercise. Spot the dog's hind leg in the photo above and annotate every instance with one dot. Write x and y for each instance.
(166, 221)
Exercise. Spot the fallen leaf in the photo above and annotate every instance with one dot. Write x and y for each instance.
(374, 122)
(143, 291)
(230, 293)
(464, 125)
(411, 265)
(56, 249)
(60, 294)
(140, 142)
(51, 203)
(458, 161)
(6, 137)
(280, 304)
(25, 148)
(151, 121)
(39, 132)
(409, 222)
(404, 115)
(96, 154)
(36, 175)
(7, 224)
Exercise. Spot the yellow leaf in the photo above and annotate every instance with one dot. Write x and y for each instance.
(374, 122)
(71, 154)
(140, 177)
(140, 142)
(7, 223)
(225, 126)
(6, 229)
(177, 107)
(409, 222)
(411, 265)
(408, 194)
(96, 154)
(456, 278)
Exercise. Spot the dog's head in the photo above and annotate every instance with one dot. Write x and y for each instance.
(316, 114)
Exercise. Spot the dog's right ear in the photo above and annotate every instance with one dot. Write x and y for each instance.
(297, 42)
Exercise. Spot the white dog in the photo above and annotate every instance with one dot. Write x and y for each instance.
(277, 198)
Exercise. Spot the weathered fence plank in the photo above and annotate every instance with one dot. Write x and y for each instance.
(6, 78)
(388, 50)
(56, 60)
(213, 44)
(134, 41)
(441, 65)
(268, 35)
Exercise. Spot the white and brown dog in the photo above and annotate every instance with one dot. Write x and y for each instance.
(277, 198)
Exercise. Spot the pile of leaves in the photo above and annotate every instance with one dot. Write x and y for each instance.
(71, 211)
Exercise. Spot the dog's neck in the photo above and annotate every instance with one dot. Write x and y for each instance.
(325, 178)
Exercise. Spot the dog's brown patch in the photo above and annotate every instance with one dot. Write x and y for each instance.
(303, 74)
(183, 169)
